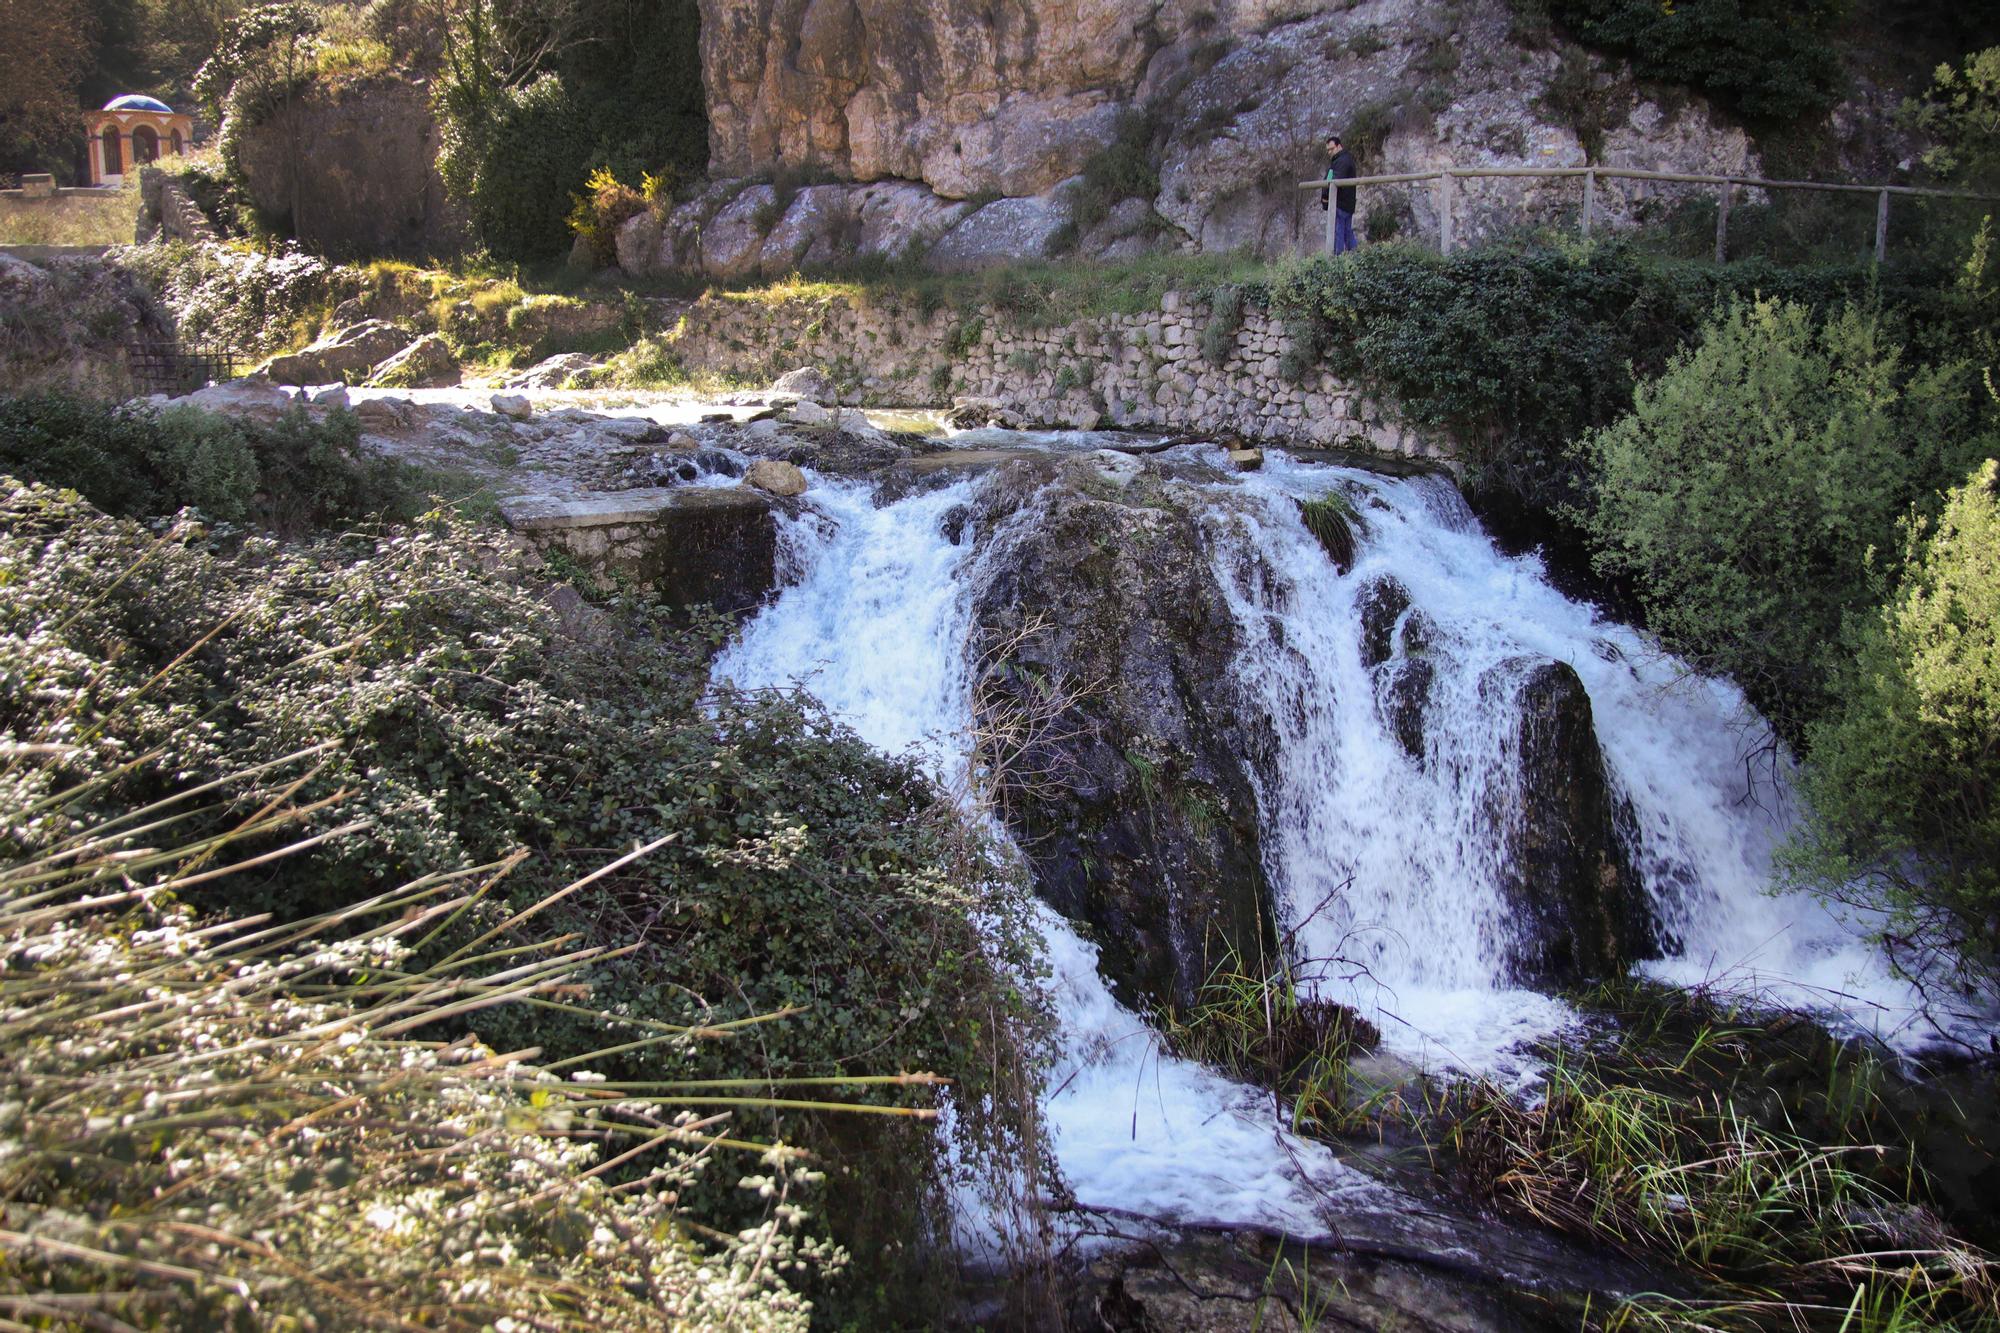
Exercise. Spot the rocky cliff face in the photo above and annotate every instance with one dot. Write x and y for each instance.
(972, 119)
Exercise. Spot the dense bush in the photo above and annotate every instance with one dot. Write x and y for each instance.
(516, 162)
(1904, 781)
(1516, 349)
(1750, 485)
(1960, 114)
(253, 303)
(1773, 60)
(804, 873)
(293, 474)
(1512, 349)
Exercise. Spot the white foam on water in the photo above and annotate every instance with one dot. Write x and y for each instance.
(1389, 865)
(876, 628)
(1424, 912)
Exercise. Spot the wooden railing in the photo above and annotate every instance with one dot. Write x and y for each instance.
(1444, 183)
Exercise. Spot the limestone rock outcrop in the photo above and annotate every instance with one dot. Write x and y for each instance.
(967, 118)
(348, 355)
(427, 363)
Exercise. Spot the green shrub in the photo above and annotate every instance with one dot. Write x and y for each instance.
(294, 474)
(524, 129)
(803, 873)
(1512, 349)
(1747, 488)
(596, 215)
(1125, 168)
(1960, 115)
(1903, 782)
(1772, 60)
(1225, 321)
(1515, 349)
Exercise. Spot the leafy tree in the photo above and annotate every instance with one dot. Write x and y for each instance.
(1903, 785)
(1960, 114)
(1748, 486)
(535, 98)
(43, 61)
(1772, 60)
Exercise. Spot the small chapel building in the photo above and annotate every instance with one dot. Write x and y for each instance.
(130, 132)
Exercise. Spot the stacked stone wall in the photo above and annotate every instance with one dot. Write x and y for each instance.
(1145, 371)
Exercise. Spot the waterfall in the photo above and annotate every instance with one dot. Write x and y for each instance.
(1393, 861)
(1378, 857)
(876, 627)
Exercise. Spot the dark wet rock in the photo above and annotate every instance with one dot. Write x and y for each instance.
(1405, 694)
(825, 449)
(1581, 909)
(1382, 604)
(957, 524)
(1131, 801)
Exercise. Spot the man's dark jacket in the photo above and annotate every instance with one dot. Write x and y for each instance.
(1341, 168)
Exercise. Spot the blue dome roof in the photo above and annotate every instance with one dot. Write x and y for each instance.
(134, 102)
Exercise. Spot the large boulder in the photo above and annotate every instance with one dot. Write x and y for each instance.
(1581, 910)
(733, 244)
(1124, 786)
(427, 363)
(900, 216)
(348, 355)
(808, 383)
(557, 372)
(817, 228)
(1005, 231)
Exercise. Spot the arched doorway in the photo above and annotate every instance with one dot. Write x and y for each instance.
(145, 145)
(174, 140)
(114, 157)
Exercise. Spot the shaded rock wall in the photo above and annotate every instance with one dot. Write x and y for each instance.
(686, 547)
(364, 156)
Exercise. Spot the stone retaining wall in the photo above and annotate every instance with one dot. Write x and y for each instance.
(1141, 372)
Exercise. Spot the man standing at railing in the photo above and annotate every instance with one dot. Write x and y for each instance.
(1340, 167)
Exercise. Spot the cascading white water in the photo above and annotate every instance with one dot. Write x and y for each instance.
(876, 628)
(1405, 854)
(1374, 856)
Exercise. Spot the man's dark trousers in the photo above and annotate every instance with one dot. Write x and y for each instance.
(1343, 232)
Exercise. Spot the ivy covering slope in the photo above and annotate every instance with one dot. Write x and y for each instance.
(799, 874)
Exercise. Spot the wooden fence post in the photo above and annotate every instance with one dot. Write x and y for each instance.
(1443, 193)
(1589, 199)
(1722, 222)
(1882, 228)
(1330, 202)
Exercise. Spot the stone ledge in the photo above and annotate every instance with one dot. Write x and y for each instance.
(552, 513)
